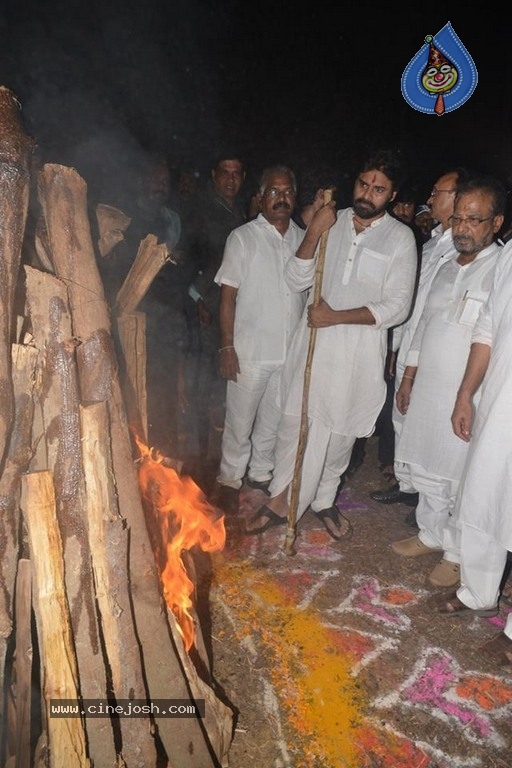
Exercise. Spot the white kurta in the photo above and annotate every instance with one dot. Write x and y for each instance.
(486, 486)
(376, 269)
(267, 310)
(441, 346)
(266, 314)
(435, 253)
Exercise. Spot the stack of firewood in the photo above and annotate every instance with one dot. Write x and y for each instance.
(81, 610)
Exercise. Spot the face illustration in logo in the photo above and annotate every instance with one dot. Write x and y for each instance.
(439, 79)
(439, 76)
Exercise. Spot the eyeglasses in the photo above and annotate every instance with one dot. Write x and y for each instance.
(435, 191)
(273, 192)
(471, 221)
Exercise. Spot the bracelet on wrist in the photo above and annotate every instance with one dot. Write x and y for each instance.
(408, 377)
(223, 349)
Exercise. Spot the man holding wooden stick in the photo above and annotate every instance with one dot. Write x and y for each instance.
(368, 281)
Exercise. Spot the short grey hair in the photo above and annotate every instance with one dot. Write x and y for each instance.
(273, 169)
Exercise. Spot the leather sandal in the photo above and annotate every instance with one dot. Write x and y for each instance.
(272, 522)
(450, 605)
(340, 523)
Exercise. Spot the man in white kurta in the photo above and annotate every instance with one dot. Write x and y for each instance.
(368, 279)
(434, 254)
(435, 365)
(483, 504)
(258, 315)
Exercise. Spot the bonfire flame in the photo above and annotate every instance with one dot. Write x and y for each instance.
(183, 519)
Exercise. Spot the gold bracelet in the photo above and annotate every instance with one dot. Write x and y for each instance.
(222, 349)
(408, 377)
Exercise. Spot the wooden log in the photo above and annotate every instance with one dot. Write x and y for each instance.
(112, 224)
(131, 332)
(62, 193)
(108, 539)
(23, 663)
(59, 670)
(218, 720)
(15, 151)
(64, 200)
(24, 360)
(51, 326)
(150, 259)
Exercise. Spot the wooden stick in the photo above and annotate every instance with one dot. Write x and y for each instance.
(303, 434)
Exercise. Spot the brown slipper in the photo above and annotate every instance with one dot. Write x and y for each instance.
(272, 521)
(450, 605)
(337, 525)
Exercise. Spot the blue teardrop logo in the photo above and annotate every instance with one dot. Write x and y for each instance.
(441, 76)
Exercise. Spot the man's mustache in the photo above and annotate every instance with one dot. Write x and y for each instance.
(281, 204)
(362, 201)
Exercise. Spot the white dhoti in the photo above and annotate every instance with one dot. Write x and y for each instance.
(250, 427)
(326, 457)
(482, 570)
(434, 512)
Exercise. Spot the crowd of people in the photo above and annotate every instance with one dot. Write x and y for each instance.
(284, 324)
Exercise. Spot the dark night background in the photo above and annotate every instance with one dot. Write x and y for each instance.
(100, 82)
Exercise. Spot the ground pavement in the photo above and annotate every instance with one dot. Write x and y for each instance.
(332, 657)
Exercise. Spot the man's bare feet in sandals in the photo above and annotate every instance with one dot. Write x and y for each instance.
(450, 605)
(270, 515)
(337, 525)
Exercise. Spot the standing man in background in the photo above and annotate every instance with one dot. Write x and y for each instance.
(217, 210)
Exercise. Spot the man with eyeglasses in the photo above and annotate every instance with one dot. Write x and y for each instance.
(434, 368)
(258, 314)
(434, 254)
(483, 503)
(367, 286)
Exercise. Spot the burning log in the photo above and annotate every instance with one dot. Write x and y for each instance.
(15, 150)
(109, 547)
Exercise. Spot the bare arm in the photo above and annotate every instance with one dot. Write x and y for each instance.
(228, 359)
(462, 416)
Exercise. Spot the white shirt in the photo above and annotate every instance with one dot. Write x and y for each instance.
(434, 254)
(373, 269)
(441, 346)
(267, 310)
(484, 502)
